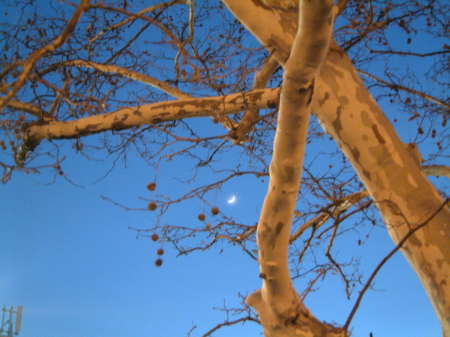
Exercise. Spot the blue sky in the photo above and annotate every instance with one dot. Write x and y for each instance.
(70, 259)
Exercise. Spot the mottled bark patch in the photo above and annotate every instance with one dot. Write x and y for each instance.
(363, 95)
(378, 135)
(87, 130)
(356, 156)
(325, 98)
(272, 235)
(278, 228)
(119, 125)
(414, 241)
(366, 174)
(337, 124)
(343, 100)
(288, 174)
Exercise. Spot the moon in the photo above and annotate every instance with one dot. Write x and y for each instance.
(232, 199)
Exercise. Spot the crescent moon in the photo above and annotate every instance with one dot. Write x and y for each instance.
(232, 199)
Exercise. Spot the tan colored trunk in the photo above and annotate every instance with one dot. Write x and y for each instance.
(280, 308)
(393, 177)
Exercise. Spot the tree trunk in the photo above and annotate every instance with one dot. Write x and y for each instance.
(393, 177)
(280, 308)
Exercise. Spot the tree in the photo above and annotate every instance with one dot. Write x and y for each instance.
(96, 73)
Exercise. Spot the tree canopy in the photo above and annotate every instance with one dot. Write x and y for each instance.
(224, 90)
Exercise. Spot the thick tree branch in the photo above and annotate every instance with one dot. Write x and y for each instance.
(393, 177)
(280, 308)
(129, 117)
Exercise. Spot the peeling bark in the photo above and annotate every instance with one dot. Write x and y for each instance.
(391, 174)
(281, 311)
(152, 113)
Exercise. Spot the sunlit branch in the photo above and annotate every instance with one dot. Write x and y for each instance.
(35, 56)
(153, 113)
(191, 23)
(59, 93)
(338, 207)
(436, 170)
(131, 74)
(29, 108)
(250, 117)
(277, 301)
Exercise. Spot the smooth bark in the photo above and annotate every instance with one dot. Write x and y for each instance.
(280, 308)
(153, 113)
(125, 118)
(391, 174)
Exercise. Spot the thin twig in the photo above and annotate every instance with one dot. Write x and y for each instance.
(35, 56)
(385, 259)
(409, 90)
(228, 323)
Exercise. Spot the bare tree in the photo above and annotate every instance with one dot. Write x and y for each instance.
(133, 78)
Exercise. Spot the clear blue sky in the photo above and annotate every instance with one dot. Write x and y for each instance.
(69, 258)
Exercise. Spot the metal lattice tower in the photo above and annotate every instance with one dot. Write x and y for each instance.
(11, 321)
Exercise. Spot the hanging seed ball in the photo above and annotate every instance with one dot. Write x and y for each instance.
(201, 217)
(214, 211)
(151, 186)
(152, 206)
(160, 251)
(158, 262)
(155, 237)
